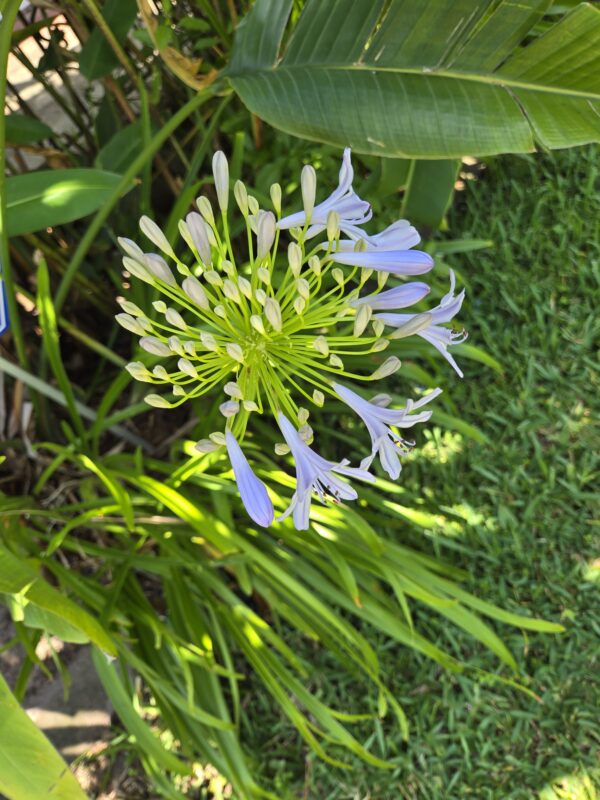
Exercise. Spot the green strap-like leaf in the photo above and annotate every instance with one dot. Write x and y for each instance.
(433, 79)
(29, 766)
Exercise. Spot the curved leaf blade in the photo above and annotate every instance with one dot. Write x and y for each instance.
(436, 79)
(38, 200)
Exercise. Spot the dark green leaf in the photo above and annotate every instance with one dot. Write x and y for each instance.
(120, 151)
(21, 129)
(97, 58)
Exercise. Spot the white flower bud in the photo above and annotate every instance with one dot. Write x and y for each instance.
(273, 313)
(131, 249)
(303, 288)
(187, 367)
(303, 415)
(138, 270)
(229, 408)
(195, 291)
(159, 268)
(228, 268)
(362, 318)
(378, 327)
(308, 184)
(338, 276)
(257, 324)
(253, 205)
(179, 391)
(265, 235)
(379, 345)
(336, 361)
(381, 400)
(160, 306)
(157, 401)
(365, 274)
(154, 346)
(198, 231)
(305, 432)
(139, 371)
(250, 405)
(333, 225)
(245, 287)
(282, 449)
(321, 346)
(241, 197)
(220, 311)
(206, 446)
(130, 308)
(160, 372)
(382, 278)
(295, 258)
(264, 275)
(235, 351)
(275, 192)
(231, 291)
(176, 345)
(233, 390)
(314, 264)
(190, 348)
(318, 398)
(221, 175)
(299, 305)
(173, 317)
(209, 342)
(205, 208)
(213, 277)
(261, 296)
(130, 323)
(414, 325)
(389, 366)
(217, 437)
(150, 229)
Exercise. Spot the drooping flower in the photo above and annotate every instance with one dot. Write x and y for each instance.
(344, 201)
(315, 474)
(378, 419)
(441, 338)
(261, 336)
(252, 490)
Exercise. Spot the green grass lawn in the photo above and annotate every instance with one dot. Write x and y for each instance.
(529, 501)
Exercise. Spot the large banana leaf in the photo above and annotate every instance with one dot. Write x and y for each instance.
(426, 79)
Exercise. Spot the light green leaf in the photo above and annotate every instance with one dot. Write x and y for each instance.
(29, 766)
(20, 579)
(37, 200)
(434, 79)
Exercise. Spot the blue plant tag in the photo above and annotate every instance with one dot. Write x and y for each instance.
(4, 320)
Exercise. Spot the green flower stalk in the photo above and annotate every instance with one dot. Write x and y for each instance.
(273, 333)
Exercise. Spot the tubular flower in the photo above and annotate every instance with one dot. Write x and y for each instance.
(385, 443)
(433, 332)
(258, 334)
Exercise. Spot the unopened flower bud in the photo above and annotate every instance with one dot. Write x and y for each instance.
(129, 307)
(157, 401)
(160, 306)
(139, 371)
(261, 296)
(418, 323)
(136, 269)
(195, 291)
(250, 405)
(333, 225)
(229, 408)
(235, 351)
(362, 318)
(314, 264)
(206, 446)
(231, 291)
(380, 344)
(321, 346)
(308, 184)
(173, 317)
(176, 345)
(295, 258)
(299, 305)
(150, 229)
(265, 234)
(221, 175)
(253, 205)
(241, 197)
(159, 268)
(336, 361)
(245, 287)
(264, 275)
(382, 278)
(217, 437)
(160, 372)
(131, 249)
(154, 346)
(130, 324)
(257, 323)
(209, 342)
(275, 192)
(187, 367)
(198, 231)
(233, 390)
(338, 276)
(378, 327)
(318, 398)
(213, 277)
(303, 288)
(273, 313)
(205, 208)
(389, 366)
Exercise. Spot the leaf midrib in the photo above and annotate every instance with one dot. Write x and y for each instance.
(494, 79)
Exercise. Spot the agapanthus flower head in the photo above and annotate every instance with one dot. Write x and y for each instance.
(270, 330)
